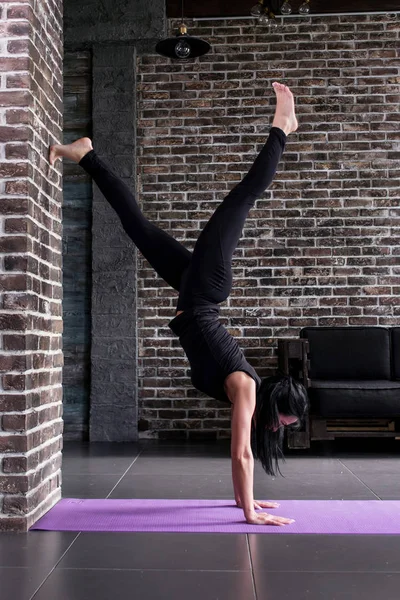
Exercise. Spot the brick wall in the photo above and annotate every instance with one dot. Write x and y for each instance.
(322, 245)
(30, 268)
(77, 255)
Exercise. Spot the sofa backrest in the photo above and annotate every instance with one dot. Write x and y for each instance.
(395, 331)
(348, 352)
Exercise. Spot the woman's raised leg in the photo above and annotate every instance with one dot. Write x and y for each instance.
(165, 254)
(209, 277)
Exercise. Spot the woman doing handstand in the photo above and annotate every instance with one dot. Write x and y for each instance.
(260, 409)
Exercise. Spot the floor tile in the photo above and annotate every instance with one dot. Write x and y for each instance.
(88, 485)
(19, 583)
(34, 549)
(97, 464)
(187, 464)
(385, 485)
(370, 553)
(89, 450)
(102, 458)
(171, 485)
(180, 465)
(71, 584)
(173, 551)
(206, 449)
(372, 465)
(327, 586)
(312, 464)
(312, 486)
(76, 463)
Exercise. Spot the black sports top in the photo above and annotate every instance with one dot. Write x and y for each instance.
(212, 352)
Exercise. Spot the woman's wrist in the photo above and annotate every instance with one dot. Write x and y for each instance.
(249, 512)
(249, 515)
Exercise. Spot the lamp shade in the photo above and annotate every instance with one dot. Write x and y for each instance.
(182, 47)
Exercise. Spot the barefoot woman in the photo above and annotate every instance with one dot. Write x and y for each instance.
(260, 409)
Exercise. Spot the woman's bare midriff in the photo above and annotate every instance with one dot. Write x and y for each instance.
(179, 312)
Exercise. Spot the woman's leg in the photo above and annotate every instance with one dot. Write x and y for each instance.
(209, 277)
(167, 256)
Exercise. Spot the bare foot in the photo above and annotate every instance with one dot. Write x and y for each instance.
(75, 151)
(285, 117)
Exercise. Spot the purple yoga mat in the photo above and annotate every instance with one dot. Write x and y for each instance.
(221, 516)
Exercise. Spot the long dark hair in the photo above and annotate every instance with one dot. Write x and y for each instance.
(278, 394)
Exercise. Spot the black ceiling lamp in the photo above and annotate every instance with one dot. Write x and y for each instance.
(183, 46)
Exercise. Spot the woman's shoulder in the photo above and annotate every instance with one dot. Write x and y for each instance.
(238, 380)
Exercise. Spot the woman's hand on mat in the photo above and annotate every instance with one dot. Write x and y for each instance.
(259, 504)
(266, 519)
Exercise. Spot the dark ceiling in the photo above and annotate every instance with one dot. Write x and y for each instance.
(240, 8)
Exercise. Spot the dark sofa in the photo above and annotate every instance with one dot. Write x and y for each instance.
(353, 380)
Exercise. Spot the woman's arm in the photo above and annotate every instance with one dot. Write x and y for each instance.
(242, 393)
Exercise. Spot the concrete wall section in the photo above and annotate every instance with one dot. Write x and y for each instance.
(113, 404)
(77, 249)
(122, 21)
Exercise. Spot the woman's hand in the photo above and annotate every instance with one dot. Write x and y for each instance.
(266, 519)
(259, 504)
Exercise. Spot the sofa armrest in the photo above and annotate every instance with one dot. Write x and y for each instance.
(293, 358)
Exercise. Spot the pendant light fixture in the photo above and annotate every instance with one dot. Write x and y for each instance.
(265, 11)
(304, 8)
(286, 8)
(183, 46)
(265, 16)
(258, 9)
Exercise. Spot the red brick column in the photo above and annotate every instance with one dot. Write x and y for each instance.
(31, 258)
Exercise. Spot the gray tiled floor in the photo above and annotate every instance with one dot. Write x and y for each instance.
(101, 566)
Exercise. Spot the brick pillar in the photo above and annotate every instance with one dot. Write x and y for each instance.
(113, 404)
(31, 358)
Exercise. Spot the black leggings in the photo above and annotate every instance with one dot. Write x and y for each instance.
(204, 276)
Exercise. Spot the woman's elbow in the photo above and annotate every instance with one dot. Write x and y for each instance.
(242, 456)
